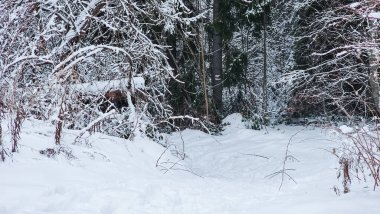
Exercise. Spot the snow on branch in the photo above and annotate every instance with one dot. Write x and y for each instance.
(102, 86)
(25, 58)
(82, 54)
(193, 119)
(95, 122)
(82, 21)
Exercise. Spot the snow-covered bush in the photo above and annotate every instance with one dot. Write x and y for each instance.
(49, 49)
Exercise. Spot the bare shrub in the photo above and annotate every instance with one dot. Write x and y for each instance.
(361, 157)
(16, 123)
(345, 169)
(58, 127)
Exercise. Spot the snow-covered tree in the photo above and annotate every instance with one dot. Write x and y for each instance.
(261, 54)
(336, 52)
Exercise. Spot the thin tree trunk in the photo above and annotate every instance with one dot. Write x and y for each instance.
(373, 68)
(172, 53)
(203, 71)
(265, 69)
(201, 62)
(217, 62)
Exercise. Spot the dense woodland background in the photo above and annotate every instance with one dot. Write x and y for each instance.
(125, 67)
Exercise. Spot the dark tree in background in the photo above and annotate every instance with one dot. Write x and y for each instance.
(230, 51)
(217, 57)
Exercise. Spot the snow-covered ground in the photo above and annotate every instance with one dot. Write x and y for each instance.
(234, 173)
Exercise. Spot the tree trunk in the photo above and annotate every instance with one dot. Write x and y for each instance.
(217, 61)
(373, 67)
(202, 69)
(265, 69)
(172, 53)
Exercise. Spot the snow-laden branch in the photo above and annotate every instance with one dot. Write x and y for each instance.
(187, 117)
(96, 87)
(93, 123)
(81, 21)
(82, 54)
(45, 59)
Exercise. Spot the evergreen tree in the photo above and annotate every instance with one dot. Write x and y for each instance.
(230, 17)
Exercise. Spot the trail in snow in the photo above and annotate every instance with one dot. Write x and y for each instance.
(228, 174)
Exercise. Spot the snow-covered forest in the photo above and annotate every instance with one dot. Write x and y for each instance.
(189, 106)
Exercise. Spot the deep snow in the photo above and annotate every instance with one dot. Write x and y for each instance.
(230, 174)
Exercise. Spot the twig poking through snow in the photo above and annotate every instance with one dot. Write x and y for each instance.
(260, 156)
(284, 170)
(286, 158)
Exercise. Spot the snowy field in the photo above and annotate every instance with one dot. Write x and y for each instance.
(234, 173)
